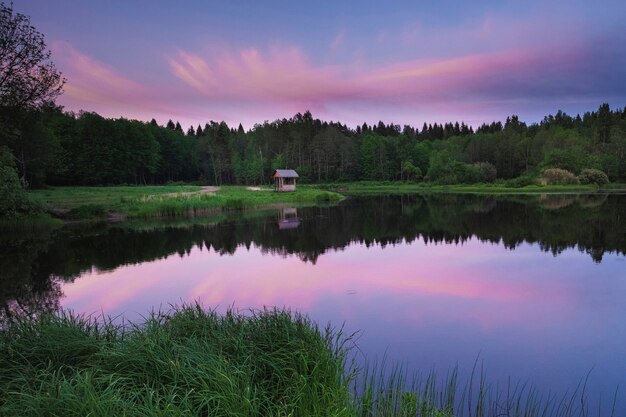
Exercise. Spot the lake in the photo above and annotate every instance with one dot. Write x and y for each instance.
(532, 288)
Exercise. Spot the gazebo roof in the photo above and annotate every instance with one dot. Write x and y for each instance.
(285, 173)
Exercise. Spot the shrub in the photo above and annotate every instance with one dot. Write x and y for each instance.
(488, 171)
(469, 174)
(324, 197)
(13, 198)
(557, 176)
(593, 176)
(521, 181)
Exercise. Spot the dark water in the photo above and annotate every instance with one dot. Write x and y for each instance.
(535, 286)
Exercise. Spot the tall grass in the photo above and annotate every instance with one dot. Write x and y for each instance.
(186, 362)
(194, 362)
(380, 389)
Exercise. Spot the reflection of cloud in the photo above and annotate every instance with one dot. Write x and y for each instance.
(464, 284)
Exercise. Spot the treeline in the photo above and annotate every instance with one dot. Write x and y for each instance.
(52, 147)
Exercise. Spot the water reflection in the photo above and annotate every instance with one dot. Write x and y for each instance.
(288, 219)
(534, 283)
(34, 263)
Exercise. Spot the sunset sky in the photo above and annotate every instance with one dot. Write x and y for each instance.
(351, 61)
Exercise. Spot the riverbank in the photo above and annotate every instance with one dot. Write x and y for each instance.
(195, 362)
(136, 202)
(187, 362)
(375, 187)
(128, 202)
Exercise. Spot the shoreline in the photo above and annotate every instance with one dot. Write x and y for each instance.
(121, 203)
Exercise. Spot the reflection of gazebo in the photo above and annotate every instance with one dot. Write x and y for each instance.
(285, 179)
(288, 219)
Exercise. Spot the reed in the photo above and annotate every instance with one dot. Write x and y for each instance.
(195, 362)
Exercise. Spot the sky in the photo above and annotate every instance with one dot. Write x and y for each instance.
(402, 62)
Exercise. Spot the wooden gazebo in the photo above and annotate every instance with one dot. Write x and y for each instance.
(285, 179)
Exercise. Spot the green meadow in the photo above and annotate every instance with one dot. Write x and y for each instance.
(169, 201)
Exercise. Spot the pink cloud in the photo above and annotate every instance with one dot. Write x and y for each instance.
(279, 74)
(254, 84)
(95, 86)
(93, 81)
(287, 77)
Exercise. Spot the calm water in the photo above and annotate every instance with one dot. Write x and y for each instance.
(533, 286)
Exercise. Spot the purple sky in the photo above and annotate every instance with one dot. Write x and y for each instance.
(403, 62)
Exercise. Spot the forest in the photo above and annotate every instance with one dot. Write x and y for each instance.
(53, 147)
(43, 145)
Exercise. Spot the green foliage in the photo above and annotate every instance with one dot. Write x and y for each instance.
(186, 362)
(56, 148)
(557, 176)
(14, 201)
(421, 155)
(593, 176)
(326, 197)
(571, 159)
(445, 170)
(278, 162)
(411, 172)
(488, 171)
(521, 181)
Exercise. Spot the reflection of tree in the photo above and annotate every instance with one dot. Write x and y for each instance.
(30, 300)
(23, 289)
(34, 264)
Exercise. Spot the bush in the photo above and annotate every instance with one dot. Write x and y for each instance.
(593, 176)
(557, 176)
(14, 200)
(521, 181)
(468, 174)
(488, 171)
(325, 197)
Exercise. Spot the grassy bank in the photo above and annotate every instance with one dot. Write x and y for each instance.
(194, 362)
(169, 201)
(190, 362)
(119, 202)
(375, 187)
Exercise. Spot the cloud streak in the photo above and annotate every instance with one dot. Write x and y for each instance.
(254, 84)
(95, 86)
(287, 76)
